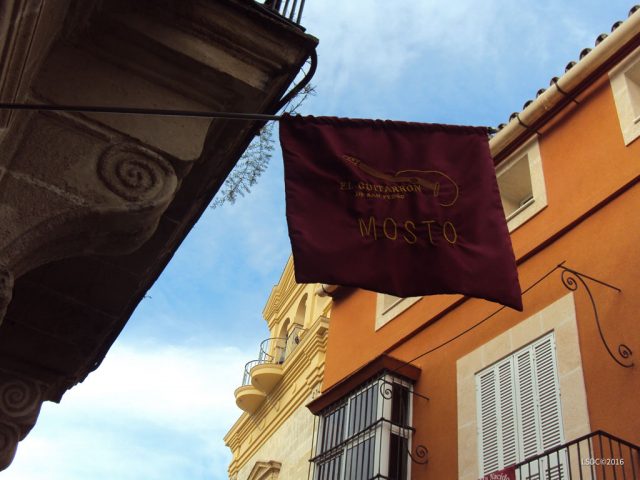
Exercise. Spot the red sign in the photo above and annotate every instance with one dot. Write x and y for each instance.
(401, 208)
(508, 473)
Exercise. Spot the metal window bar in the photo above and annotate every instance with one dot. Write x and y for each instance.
(264, 356)
(273, 350)
(293, 339)
(246, 377)
(595, 456)
(362, 436)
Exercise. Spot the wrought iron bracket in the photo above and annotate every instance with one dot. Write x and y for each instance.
(420, 455)
(386, 390)
(572, 279)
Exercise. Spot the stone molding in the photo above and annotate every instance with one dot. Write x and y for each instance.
(265, 471)
(20, 402)
(77, 187)
(282, 295)
(18, 33)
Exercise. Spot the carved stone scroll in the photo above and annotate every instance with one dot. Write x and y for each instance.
(134, 174)
(76, 188)
(20, 402)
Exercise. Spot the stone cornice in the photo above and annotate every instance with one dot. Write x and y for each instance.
(282, 292)
(95, 205)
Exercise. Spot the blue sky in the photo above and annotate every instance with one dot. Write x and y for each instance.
(162, 400)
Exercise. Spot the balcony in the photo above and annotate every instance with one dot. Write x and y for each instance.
(266, 376)
(598, 455)
(248, 397)
(290, 10)
(262, 375)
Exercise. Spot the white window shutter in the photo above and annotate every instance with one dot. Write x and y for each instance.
(507, 414)
(528, 424)
(497, 417)
(519, 412)
(488, 422)
(548, 393)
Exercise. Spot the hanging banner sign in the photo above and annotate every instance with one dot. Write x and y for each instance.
(508, 473)
(407, 209)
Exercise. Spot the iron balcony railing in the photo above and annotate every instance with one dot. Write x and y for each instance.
(596, 456)
(274, 350)
(289, 9)
(246, 377)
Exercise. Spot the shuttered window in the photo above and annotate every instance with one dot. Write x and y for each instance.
(518, 402)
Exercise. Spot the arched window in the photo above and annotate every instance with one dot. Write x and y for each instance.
(299, 319)
(280, 344)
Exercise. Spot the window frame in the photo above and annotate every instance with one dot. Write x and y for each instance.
(624, 88)
(385, 315)
(380, 428)
(539, 371)
(529, 152)
(559, 317)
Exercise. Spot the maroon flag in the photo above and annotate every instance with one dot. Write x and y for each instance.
(401, 208)
(508, 473)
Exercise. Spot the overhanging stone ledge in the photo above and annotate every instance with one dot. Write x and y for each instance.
(92, 207)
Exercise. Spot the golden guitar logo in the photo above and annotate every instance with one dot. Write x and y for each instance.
(404, 182)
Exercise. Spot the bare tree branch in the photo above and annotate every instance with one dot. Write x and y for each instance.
(255, 160)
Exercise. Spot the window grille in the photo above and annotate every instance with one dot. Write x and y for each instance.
(367, 434)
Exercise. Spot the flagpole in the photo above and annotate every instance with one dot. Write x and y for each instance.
(138, 111)
(152, 111)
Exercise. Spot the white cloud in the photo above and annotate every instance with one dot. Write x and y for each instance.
(148, 413)
(175, 387)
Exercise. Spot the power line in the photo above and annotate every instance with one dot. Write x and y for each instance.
(477, 324)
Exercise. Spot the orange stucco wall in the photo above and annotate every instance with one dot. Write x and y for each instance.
(585, 162)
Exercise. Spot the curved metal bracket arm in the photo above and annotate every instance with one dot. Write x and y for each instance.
(302, 83)
(386, 390)
(572, 279)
